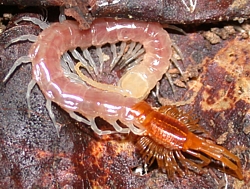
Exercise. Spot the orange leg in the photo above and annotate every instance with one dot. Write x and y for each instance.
(189, 164)
(204, 159)
(223, 155)
(186, 118)
(219, 153)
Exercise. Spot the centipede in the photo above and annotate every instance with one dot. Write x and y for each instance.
(165, 134)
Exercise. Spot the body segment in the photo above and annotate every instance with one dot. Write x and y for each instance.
(61, 37)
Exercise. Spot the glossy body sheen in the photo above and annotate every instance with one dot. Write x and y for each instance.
(61, 37)
(165, 136)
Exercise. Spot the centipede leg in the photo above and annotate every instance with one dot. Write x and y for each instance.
(177, 49)
(91, 62)
(135, 61)
(74, 77)
(216, 152)
(205, 160)
(43, 25)
(29, 37)
(223, 155)
(175, 62)
(84, 63)
(188, 164)
(170, 81)
(135, 130)
(78, 118)
(119, 129)
(52, 116)
(171, 163)
(100, 56)
(168, 76)
(116, 58)
(18, 62)
(113, 50)
(67, 62)
(62, 16)
(135, 57)
(128, 54)
(97, 130)
(31, 85)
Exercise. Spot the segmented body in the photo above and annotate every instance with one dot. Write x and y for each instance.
(169, 132)
(165, 135)
(46, 52)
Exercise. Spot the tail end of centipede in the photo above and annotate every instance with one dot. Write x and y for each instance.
(230, 162)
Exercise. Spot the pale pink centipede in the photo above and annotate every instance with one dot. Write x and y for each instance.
(90, 102)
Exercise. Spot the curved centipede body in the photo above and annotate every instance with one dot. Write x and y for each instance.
(75, 97)
(164, 134)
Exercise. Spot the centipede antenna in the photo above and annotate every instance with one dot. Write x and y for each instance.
(43, 25)
(29, 37)
(31, 85)
(18, 62)
(52, 116)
